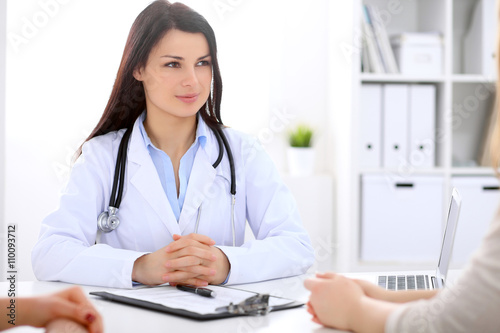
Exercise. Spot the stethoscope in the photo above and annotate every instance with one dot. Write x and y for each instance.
(109, 221)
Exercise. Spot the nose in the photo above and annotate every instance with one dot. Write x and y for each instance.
(190, 78)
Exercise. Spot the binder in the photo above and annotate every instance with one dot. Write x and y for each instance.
(422, 113)
(229, 302)
(479, 41)
(374, 57)
(395, 125)
(370, 126)
(382, 38)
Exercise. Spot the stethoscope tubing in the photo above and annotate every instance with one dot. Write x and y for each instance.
(119, 180)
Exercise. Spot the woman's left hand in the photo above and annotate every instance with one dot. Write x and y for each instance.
(182, 264)
(70, 304)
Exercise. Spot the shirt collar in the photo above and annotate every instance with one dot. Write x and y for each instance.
(201, 131)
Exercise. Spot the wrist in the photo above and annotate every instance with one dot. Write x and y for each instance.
(224, 267)
(371, 315)
(137, 268)
(24, 306)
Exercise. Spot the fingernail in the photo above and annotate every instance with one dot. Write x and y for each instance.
(214, 258)
(90, 317)
(212, 272)
(165, 278)
(168, 264)
(167, 249)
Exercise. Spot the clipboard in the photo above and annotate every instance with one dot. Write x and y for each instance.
(229, 302)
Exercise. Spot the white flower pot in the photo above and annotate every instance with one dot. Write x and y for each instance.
(300, 161)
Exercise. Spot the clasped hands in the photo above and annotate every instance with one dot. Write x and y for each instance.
(191, 259)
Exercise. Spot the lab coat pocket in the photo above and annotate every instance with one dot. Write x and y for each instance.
(215, 213)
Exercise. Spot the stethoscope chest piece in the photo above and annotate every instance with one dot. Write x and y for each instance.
(108, 221)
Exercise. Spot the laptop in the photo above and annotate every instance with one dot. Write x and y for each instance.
(420, 281)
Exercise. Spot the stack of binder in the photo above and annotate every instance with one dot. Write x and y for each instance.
(377, 54)
(397, 125)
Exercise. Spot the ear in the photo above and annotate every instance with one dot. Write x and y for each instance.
(138, 74)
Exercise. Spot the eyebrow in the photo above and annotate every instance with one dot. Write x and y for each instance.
(181, 58)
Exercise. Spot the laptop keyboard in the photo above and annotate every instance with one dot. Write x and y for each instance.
(404, 282)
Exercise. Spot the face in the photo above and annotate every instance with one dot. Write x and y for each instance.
(178, 74)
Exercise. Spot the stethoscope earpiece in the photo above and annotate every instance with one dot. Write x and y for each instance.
(108, 221)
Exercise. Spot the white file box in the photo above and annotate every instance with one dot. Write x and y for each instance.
(480, 199)
(395, 125)
(418, 54)
(401, 218)
(370, 119)
(422, 128)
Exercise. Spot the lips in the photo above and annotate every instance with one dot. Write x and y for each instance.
(188, 98)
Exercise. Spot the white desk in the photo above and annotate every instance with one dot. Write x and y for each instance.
(124, 318)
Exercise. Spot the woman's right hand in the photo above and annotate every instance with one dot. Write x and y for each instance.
(153, 268)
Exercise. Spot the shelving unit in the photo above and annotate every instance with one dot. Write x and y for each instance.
(463, 104)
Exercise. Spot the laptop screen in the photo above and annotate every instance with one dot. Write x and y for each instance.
(448, 237)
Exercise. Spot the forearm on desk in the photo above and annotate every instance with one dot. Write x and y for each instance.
(17, 310)
(408, 295)
(5, 303)
(372, 315)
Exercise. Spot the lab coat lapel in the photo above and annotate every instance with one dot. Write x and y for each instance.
(144, 177)
(200, 182)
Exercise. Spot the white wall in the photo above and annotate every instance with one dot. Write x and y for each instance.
(344, 56)
(62, 57)
(3, 13)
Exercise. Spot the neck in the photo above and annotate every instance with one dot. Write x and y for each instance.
(173, 135)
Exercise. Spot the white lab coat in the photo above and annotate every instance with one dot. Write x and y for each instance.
(66, 249)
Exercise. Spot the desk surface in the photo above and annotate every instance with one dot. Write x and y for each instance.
(123, 318)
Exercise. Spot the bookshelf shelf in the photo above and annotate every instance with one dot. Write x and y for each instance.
(463, 106)
(471, 78)
(399, 78)
(390, 171)
(473, 171)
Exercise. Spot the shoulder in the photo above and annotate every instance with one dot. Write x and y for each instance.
(240, 139)
(247, 147)
(105, 145)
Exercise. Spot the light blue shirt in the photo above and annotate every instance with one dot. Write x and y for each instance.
(165, 168)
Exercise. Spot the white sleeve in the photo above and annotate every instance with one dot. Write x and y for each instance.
(66, 249)
(471, 304)
(282, 246)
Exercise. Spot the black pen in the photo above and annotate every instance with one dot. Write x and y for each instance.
(205, 292)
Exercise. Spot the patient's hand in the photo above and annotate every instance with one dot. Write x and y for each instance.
(63, 325)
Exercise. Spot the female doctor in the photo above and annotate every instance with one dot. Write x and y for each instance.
(155, 155)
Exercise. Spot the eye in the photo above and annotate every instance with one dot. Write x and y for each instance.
(173, 64)
(203, 63)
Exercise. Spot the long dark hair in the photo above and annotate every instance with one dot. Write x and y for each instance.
(127, 100)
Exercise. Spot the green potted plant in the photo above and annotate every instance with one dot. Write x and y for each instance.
(300, 136)
(300, 153)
